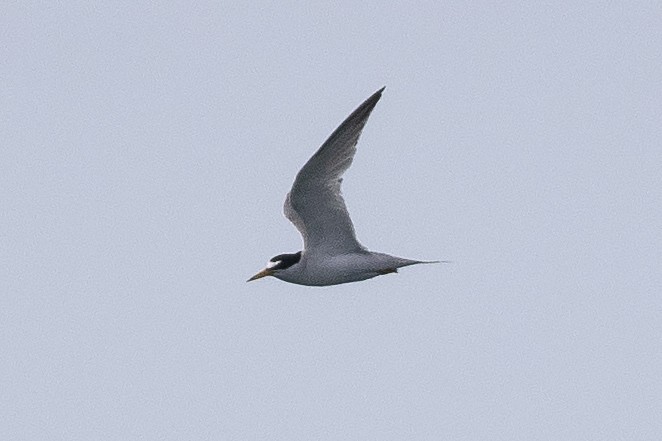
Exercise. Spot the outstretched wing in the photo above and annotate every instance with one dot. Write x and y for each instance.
(315, 204)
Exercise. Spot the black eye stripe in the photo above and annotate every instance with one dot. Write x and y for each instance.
(285, 260)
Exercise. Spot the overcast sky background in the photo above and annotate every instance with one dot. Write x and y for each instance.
(146, 152)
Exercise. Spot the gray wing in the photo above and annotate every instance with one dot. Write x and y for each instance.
(315, 204)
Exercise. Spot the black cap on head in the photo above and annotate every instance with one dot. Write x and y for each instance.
(285, 260)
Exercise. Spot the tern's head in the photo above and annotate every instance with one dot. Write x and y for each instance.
(277, 264)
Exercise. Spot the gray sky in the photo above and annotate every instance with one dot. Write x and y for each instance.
(146, 153)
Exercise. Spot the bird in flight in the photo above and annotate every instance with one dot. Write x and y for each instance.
(331, 252)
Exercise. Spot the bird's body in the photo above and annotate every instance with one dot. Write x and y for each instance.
(319, 270)
(332, 255)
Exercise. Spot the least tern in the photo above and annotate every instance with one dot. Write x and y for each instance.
(331, 253)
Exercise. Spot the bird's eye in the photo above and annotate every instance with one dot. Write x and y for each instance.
(272, 264)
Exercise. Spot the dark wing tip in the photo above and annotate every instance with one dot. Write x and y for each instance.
(365, 108)
(346, 134)
(377, 95)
